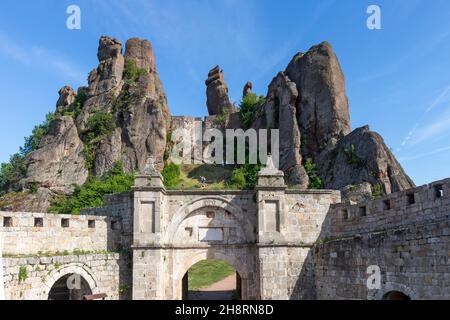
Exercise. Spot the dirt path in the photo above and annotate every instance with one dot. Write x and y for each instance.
(222, 290)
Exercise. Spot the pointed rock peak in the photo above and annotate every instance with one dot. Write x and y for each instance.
(218, 101)
(66, 98)
(215, 74)
(141, 52)
(322, 105)
(247, 88)
(108, 48)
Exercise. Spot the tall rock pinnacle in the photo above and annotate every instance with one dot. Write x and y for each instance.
(322, 105)
(218, 101)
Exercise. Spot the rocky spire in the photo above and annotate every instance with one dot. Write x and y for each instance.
(247, 88)
(66, 98)
(141, 52)
(281, 114)
(217, 101)
(322, 105)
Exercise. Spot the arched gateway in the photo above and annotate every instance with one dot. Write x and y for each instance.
(259, 233)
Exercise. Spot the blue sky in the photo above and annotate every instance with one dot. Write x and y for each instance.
(398, 78)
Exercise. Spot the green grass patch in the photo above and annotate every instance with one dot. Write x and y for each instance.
(217, 177)
(207, 272)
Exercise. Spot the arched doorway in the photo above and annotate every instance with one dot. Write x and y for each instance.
(396, 295)
(69, 287)
(211, 279)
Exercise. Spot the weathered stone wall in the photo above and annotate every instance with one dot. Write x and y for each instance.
(410, 242)
(100, 271)
(118, 207)
(30, 233)
(412, 206)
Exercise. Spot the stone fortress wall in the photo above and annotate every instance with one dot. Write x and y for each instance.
(284, 243)
(406, 234)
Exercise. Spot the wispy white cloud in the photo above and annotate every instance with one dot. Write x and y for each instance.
(438, 128)
(37, 56)
(424, 155)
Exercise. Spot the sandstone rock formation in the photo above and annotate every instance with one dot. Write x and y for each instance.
(281, 114)
(139, 106)
(247, 88)
(58, 164)
(362, 156)
(66, 99)
(319, 128)
(105, 82)
(217, 101)
(306, 102)
(322, 105)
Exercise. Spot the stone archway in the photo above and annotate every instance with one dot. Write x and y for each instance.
(396, 295)
(229, 256)
(209, 202)
(61, 291)
(88, 278)
(393, 290)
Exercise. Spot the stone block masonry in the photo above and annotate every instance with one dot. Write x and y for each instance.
(27, 233)
(32, 278)
(406, 234)
(283, 243)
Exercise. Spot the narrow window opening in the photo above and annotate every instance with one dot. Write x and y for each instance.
(362, 211)
(439, 190)
(345, 214)
(411, 198)
(91, 224)
(7, 222)
(65, 223)
(39, 222)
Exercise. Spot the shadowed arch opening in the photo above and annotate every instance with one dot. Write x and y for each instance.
(69, 287)
(396, 295)
(211, 279)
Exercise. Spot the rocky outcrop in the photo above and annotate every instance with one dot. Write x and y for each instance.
(322, 105)
(143, 117)
(362, 156)
(66, 99)
(138, 106)
(59, 162)
(217, 101)
(141, 52)
(247, 88)
(104, 82)
(281, 114)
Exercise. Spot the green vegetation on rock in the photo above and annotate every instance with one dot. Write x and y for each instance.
(248, 108)
(377, 191)
(221, 119)
(131, 72)
(352, 158)
(99, 126)
(315, 182)
(23, 273)
(15, 170)
(92, 193)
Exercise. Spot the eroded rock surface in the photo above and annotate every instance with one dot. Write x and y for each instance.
(217, 101)
(322, 104)
(281, 114)
(362, 156)
(59, 163)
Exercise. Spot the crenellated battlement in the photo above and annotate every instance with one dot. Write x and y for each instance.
(412, 206)
(43, 232)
